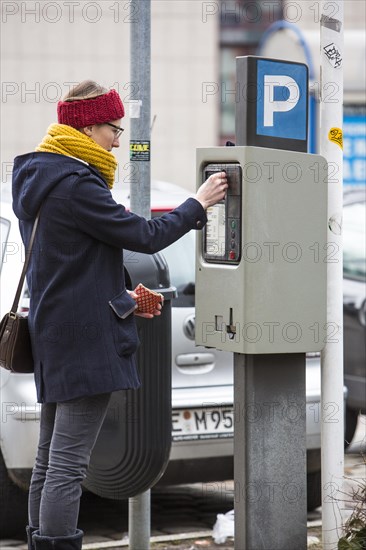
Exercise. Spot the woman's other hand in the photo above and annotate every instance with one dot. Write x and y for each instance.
(139, 313)
(212, 190)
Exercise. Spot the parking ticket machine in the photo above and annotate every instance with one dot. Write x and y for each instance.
(261, 276)
(262, 257)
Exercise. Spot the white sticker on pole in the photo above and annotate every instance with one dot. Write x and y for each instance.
(135, 108)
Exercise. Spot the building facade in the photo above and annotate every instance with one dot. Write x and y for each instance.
(48, 46)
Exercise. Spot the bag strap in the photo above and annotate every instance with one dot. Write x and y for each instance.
(14, 307)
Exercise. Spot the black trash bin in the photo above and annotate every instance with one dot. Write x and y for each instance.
(132, 450)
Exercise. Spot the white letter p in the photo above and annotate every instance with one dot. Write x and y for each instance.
(270, 105)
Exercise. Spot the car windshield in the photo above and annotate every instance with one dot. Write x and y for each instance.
(181, 261)
(354, 246)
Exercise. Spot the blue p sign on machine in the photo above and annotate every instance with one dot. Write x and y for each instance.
(273, 106)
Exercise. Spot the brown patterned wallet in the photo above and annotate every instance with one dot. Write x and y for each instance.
(147, 300)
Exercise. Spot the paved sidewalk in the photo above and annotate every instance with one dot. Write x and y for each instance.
(182, 517)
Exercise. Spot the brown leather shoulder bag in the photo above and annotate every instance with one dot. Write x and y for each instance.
(15, 343)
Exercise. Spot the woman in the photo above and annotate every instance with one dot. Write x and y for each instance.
(83, 337)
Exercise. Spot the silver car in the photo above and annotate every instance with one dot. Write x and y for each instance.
(354, 306)
(202, 393)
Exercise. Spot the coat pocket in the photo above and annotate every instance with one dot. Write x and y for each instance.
(123, 323)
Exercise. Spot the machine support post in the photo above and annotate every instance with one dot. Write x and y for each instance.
(270, 451)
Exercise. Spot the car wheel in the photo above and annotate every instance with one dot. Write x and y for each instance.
(314, 490)
(351, 424)
(14, 503)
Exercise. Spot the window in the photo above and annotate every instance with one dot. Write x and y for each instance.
(180, 257)
(242, 23)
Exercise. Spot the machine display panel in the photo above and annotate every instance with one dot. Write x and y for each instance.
(222, 234)
(216, 230)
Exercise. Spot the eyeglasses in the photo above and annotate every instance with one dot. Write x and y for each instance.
(117, 130)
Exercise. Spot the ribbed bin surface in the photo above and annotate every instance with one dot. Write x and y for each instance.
(133, 446)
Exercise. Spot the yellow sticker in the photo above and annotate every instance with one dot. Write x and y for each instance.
(336, 135)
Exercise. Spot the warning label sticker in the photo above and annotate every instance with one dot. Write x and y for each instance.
(139, 150)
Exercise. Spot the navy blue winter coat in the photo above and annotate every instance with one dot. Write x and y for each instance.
(81, 343)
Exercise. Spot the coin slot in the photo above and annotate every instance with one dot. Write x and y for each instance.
(219, 323)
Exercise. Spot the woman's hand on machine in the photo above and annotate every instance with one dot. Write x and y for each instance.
(213, 190)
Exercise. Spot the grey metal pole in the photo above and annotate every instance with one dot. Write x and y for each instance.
(140, 112)
(270, 451)
(139, 521)
(140, 43)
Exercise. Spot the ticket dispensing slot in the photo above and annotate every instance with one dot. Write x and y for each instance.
(222, 234)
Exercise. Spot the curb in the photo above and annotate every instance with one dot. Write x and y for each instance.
(159, 538)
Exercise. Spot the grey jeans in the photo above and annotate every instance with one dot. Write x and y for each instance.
(68, 433)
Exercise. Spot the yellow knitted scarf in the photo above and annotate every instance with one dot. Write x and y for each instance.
(65, 140)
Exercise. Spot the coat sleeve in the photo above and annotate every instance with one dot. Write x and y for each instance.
(96, 213)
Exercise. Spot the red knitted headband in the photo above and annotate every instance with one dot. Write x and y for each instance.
(87, 112)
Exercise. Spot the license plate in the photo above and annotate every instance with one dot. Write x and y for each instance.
(193, 424)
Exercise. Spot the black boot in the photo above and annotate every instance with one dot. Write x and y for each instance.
(72, 542)
(30, 530)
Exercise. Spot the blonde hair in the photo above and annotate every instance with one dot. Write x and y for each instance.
(88, 89)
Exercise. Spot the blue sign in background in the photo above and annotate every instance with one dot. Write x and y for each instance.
(354, 147)
(290, 124)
